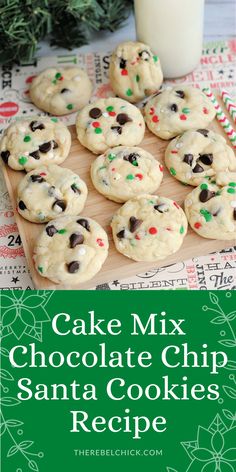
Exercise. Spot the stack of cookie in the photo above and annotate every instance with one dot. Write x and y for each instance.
(72, 248)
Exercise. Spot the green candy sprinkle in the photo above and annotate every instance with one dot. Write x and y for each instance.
(27, 139)
(231, 190)
(55, 120)
(130, 177)
(213, 182)
(172, 171)
(181, 230)
(135, 164)
(137, 78)
(218, 192)
(54, 81)
(186, 110)
(204, 187)
(22, 160)
(232, 184)
(110, 108)
(132, 242)
(123, 106)
(151, 201)
(111, 157)
(206, 214)
(70, 106)
(129, 92)
(155, 58)
(62, 231)
(98, 130)
(40, 269)
(58, 75)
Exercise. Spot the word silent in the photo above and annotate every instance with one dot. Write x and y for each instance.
(155, 324)
(172, 356)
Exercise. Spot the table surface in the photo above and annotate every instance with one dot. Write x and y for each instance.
(219, 23)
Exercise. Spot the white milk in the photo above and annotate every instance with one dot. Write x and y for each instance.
(174, 31)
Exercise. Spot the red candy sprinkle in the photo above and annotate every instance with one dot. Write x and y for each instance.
(100, 242)
(183, 117)
(112, 113)
(151, 111)
(205, 111)
(113, 169)
(137, 237)
(124, 72)
(96, 124)
(161, 168)
(152, 230)
(61, 78)
(43, 174)
(197, 225)
(155, 119)
(174, 151)
(140, 176)
(176, 205)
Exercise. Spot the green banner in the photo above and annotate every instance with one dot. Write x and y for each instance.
(121, 380)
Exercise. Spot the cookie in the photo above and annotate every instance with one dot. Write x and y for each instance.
(124, 172)
(135, 72)
(30, 143)
(197, 154)
(49, 192)
(149, 228)
(71, 250)
(224, 178)
(211, 211)
(178, 109)
(61, 91)
(109, 122)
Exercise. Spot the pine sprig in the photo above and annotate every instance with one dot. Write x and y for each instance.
(68, 23)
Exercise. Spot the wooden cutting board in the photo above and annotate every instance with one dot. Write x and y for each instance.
(98, 207)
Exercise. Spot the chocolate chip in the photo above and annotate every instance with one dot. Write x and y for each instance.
(75, 189)
(22, 205)
(197, 169)
(174, 107)
(64, 90)
(121, 234)
(123, 118)
(162, 208)
(234, 214)
(134, 224)
(216, 212)
(73, 267)
(204, 132)
(35, 155)
(45, 147)
(206, 195)
(37, 178)
(34, 125)
(60, 203)
(132, 158)
(123, 63)
(180, 93)
(75, 239)
(144, 55)
(54, 145)
(84, 223)
(5, 156)
(206, 159)
(51, 230)
(117, 129)
(51, 191)
(188, 158)
(95, 113)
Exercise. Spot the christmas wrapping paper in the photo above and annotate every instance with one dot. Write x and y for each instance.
(216, 70)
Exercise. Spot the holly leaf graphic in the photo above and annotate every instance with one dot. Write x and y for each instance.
(9, 401)
(2, 428)
(231, 316)
(231, 365)
(14, 423)
(4, 352)
(214, 299)
(228, 342)
(230, 391)
(12, 451)
(33, 466)
(5, 375)
(218, 320)
(228, 414)
(217, 425)
(25, 444)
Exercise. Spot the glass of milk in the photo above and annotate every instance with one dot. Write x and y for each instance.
(174, 31)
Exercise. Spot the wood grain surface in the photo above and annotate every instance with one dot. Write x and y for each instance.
(101, 209)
